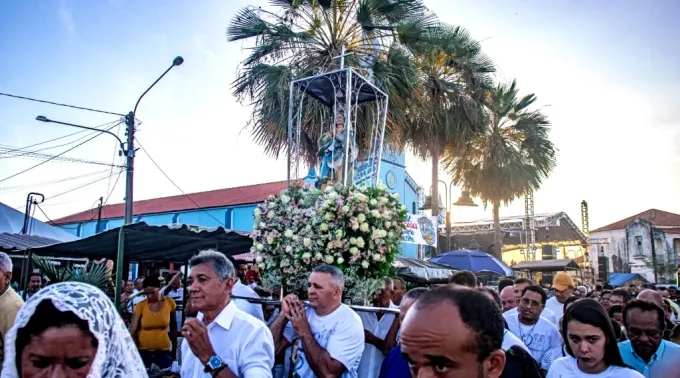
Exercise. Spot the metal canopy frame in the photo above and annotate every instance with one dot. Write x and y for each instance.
(517, 224)
(346, 91)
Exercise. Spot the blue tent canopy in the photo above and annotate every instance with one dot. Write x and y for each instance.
(39, 234)
(620, 279)
(472, 260)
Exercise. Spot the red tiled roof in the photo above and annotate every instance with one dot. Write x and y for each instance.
(242, 195)
(659, 218)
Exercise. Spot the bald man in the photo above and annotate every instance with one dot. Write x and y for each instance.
(653, 296)
(508, 298)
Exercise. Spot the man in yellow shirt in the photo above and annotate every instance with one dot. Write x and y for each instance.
(10, 301)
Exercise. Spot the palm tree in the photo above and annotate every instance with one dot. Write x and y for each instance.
(299, 38)
(98, 276)
(448, 110)
(510, 159)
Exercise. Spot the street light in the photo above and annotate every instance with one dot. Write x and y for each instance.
(465, 200)
(129, 168)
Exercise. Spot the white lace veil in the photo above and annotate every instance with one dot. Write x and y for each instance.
(117, 355)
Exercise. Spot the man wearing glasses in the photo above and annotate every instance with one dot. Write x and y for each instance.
(537, 333)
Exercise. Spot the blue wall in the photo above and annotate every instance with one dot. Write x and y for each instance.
(392, 173)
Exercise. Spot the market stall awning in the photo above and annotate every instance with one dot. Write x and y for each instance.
(422, 271)
(17, 242)
(547, 265)
(145, 243)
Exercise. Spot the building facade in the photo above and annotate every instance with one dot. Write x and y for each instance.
(231, 208)
(647, 243)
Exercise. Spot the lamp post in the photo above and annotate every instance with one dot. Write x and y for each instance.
(464, 201)
(129, 152)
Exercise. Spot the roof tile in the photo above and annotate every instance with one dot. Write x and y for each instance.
(656, 217)
(242, 195)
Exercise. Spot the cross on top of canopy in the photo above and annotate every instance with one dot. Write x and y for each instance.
(343, 106)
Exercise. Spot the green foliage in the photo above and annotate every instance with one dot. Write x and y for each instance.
(299, 38)
(97, 276)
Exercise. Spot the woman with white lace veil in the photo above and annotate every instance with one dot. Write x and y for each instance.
(72, 327)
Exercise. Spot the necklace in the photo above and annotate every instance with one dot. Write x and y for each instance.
(527, 339)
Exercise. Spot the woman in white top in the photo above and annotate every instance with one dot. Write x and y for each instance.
(591, 345)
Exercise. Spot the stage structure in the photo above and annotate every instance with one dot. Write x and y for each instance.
(342, 99)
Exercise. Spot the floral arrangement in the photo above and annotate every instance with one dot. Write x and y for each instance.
(357, 229)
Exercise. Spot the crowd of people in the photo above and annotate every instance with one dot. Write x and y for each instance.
(460, 329)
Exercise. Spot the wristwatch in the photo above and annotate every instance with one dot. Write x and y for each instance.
(214, 363)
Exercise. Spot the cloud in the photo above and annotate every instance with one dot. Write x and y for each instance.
(65, 18)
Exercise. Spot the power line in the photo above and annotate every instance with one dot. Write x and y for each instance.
(113, 187)
(52, 158)
(68, 159)
(80, 187)
(59, 104)
(198, 207)
(54, 223)
(58, 138)
(16, 188)
(108, 185)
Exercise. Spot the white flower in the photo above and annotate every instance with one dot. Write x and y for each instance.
(288, 233)
(324, 227)
(354, 250)
(270, 240)
(361, 218)
(364, 264)
(263, 225)
(373, 202)
(375, 214)
(330, 189)
(253, 249)
(333, 196)
(257, 212)
(259, 246)
(390, 234)
(295, 238)
(318, 256)
(307, 242)
(329, 259)
(340, 260)
(377, 257)
(381, 186)
(383, 200)
(395, 196)
(328, 216)
(258, 259)
(345, 209)
(270, 214)
(355, 226)
(352, 241)
(330, 245)
(383, 233)
(285, 199)
(306, 255)
(289, 249)
(360, 242)
(262, 265)
(272, 205)
(339, 234)
(364, 227)
(388, 224)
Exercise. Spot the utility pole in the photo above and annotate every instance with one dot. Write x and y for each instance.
(130, 164)
(129, 151)
(30, 201)
(99, 214)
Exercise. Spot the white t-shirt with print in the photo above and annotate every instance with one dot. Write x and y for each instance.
(555, 306)
(566, 367)
(340, 333)
(539, 337)
(510, 340)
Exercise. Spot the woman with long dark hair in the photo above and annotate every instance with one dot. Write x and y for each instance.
(591, 344)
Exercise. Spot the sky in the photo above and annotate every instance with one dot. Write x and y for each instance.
(606, 72)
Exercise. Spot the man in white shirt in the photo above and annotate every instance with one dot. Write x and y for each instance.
(520, 285)
(563, 288)
(536, 332)
(222, 341)
(242, 290)
(376, 327)
(328, 335)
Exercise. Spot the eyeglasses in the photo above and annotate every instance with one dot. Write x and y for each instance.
(528, 302)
